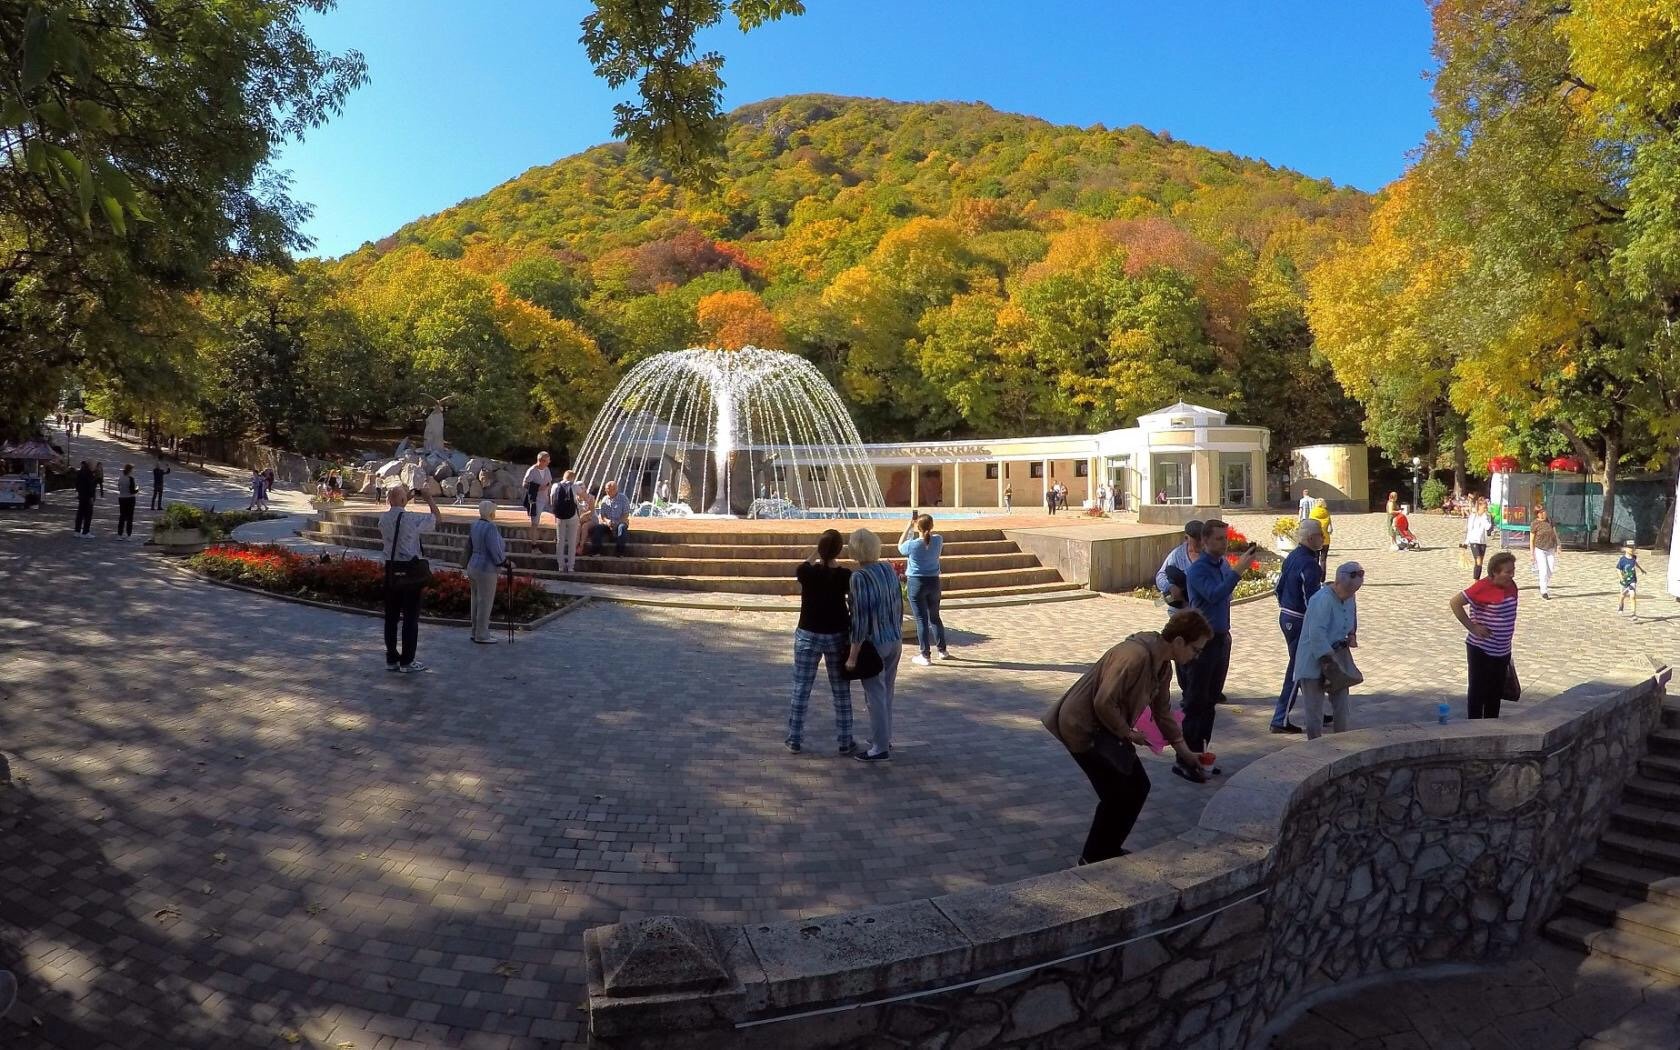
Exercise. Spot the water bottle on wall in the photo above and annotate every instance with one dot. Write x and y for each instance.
(1442, 711)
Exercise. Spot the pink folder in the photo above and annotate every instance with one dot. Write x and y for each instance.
(1152, 732)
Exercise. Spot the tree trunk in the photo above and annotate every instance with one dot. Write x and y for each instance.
(1612, 456)
(1461, 466)
(1432, 447)
(1665, 531)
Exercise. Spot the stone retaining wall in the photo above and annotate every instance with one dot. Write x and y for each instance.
(1350, 856)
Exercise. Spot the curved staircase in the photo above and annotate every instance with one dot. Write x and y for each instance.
(1627, 902)
(977, 562)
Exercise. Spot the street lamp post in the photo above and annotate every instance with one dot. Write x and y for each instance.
(1417, 493)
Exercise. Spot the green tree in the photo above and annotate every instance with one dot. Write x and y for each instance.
(136, 139)
(680, 118)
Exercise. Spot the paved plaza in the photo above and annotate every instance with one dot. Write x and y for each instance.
(228, 826)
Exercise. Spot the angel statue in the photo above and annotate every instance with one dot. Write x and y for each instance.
(432, 436)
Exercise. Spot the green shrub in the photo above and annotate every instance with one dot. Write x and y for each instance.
(182, 516)
(1434, 493)
(215, 524)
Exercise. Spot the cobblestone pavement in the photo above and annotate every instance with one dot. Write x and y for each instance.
(1550, 999)
(229, 826)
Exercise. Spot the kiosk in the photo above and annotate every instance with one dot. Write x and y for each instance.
(22, 482)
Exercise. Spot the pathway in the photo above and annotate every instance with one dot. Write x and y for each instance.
(233, 828)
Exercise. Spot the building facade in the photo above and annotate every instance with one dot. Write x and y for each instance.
(1181, 455)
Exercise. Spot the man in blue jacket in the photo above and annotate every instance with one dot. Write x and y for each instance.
(1297, 583)
(1209, 583)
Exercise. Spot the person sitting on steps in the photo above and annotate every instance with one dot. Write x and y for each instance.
(612, 518)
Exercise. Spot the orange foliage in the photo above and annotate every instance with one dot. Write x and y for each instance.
(731, 320)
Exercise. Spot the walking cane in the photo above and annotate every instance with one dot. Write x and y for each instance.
(510, 600)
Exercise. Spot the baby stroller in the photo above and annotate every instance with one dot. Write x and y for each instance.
(1403, 538)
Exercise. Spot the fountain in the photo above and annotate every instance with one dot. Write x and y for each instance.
(734, 430)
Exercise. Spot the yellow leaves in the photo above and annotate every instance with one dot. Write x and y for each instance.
(1077, 248)
(1629, 50)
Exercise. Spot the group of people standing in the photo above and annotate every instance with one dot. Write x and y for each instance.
(583, 521)
(90, 485)
(1318, 615)
(852, 620)
(1055, 497)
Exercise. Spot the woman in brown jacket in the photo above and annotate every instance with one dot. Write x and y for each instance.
(1094, 720)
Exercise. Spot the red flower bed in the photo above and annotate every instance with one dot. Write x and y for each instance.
(361, 582)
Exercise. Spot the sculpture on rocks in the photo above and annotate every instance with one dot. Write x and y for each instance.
(432, 436)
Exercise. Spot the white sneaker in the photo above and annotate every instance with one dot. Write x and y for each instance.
(944, 654)
(921, 661)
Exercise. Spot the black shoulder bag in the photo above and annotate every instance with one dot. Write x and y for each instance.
(411, 572)
(869, 664)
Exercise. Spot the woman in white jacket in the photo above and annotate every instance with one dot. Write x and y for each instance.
(1478, 523)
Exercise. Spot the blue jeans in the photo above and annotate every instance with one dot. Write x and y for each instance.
(923, 592)
(1291, 628)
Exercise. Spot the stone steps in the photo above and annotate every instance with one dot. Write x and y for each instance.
(1648, 792)
(1661, 767)
(1637, 849)
(789, 586)
(1583, 935)
(1635, 881)
(1646, 822)
(1653, 919)
(977, 562)
(518, 542)
(1627, 902)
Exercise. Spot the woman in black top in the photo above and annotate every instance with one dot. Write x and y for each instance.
(824, 627)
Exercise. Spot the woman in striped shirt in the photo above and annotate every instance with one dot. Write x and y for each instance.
(877, 618)
(1488, 610)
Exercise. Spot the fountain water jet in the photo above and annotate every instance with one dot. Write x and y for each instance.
(722, 423)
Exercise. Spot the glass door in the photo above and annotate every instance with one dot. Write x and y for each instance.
(1236, 484)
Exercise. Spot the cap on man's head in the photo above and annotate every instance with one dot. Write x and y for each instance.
(1349, 569)
(1628, 545)
(1193, 529)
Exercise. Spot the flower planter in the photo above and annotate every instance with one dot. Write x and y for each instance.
(908, 632)
(1283, 545)
(179, 541)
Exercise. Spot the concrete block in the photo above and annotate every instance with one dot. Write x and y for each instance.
(878, 952)
(1051, 915)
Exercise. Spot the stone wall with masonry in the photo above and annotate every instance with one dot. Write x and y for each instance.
(1369, 852)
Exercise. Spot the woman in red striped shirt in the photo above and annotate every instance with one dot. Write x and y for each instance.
(1488, 611)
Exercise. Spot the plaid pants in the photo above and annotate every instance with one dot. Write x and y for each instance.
(808, 650)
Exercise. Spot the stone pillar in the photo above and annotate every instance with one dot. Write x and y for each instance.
(915, 488)
(956, 484)
(1045, 493)
(1003, 468)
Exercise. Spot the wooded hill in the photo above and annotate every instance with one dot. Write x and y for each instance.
(955, 270)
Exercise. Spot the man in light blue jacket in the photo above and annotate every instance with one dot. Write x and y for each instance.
(1170, 579)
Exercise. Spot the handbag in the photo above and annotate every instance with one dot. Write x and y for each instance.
(1513, 686)
(868, 664)
(1342, 674)
(412, 572)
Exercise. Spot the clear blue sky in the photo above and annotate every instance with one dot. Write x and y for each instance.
(466, 95)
